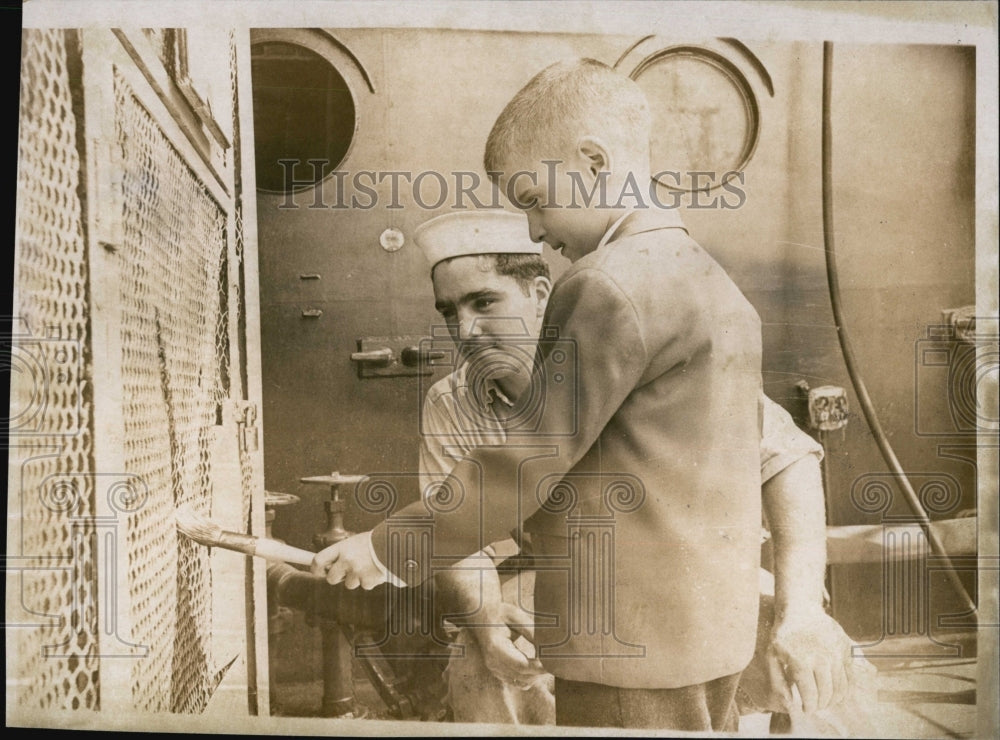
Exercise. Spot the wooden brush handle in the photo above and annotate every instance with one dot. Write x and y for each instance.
(274, 550)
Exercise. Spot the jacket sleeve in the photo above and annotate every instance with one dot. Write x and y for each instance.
(581, 379)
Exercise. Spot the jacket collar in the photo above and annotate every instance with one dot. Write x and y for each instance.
(641, 220)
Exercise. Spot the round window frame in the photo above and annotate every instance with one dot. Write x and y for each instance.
(343, 62)
(737, 79)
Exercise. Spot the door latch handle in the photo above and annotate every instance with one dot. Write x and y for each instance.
(413, 356)
(396, 356)
(382, 356)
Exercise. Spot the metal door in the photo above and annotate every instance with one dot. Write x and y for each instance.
(331, 286)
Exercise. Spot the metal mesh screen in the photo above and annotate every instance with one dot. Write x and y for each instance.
(248, 473)
(173, 252)
(178, 309)
(55, 657)
(222, 329)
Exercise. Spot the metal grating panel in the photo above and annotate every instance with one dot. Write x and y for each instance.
(179, 308)
(173, 250)
(55, 665)
(247, 469)
(222, 330)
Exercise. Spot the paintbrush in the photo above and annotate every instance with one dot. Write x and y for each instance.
(206, 532)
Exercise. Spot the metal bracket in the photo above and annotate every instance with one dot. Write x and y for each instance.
(246, 422)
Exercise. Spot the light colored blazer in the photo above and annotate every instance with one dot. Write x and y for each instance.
(637, 471)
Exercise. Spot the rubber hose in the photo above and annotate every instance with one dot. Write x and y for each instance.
(845, 343)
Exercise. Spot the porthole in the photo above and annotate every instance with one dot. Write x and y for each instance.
(706, 117)
(302, 110)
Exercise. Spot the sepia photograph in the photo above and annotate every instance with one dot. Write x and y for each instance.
(504, 368)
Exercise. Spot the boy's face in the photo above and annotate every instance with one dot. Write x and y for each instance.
(489, 316)
(554, 199)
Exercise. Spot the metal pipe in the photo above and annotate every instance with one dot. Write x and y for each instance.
(289, 587)
(338, 678)
(297, 589)
(343, 615)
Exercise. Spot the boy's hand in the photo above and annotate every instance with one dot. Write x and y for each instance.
(506, 644)
(810, 652)
(350, 561)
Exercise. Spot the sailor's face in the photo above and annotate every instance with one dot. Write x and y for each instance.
(489, 315)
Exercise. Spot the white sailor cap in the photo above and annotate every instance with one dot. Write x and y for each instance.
(474, 232)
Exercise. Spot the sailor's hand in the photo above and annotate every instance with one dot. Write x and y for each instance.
(349, 561)
(505, 640)
(811, 654)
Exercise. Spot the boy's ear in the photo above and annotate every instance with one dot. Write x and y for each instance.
(595, 153)
(541, 288)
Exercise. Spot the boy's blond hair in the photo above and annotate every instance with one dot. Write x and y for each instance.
(563, 102)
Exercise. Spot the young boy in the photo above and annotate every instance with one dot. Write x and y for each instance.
(638, 480)
(491, 287)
